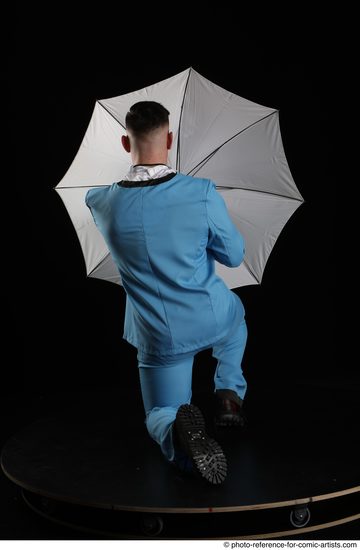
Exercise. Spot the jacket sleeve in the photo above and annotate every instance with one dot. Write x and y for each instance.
(88, 197)
(225, 242)
(93, 200)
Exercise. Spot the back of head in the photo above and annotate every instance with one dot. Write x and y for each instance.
(145, 117)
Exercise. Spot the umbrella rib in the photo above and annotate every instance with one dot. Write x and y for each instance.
(99, 264)
(82, 186)
(210, 155)
(218, 186)
(181, 112)
(251, 271)
(107, 110)
(261, 192)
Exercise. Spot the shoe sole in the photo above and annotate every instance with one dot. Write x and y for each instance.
(207, 455)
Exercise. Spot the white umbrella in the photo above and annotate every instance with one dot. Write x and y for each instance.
(217, 135)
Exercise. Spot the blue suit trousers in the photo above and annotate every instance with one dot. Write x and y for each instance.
(166, 380)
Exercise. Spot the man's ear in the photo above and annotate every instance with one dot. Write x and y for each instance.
(169, 140)
(126, 143)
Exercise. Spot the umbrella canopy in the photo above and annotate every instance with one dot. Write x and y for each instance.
(217, 135)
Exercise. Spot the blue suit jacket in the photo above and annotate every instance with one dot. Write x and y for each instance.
(164, 236)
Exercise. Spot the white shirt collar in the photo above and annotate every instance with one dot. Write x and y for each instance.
(141, 172)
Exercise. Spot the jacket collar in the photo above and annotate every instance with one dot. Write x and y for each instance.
(148, 182)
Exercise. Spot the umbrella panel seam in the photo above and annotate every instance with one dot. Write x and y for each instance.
(110, 113)
(210, 155)
(180, 118)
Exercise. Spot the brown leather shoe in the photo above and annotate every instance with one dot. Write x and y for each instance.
(229, 409)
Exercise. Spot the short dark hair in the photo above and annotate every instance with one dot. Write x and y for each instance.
(146, 116)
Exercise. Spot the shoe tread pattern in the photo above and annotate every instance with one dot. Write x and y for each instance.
(206, 453)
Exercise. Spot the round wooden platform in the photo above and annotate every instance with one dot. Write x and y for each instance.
(92, 465)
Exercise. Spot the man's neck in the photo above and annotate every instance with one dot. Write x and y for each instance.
(148, 159)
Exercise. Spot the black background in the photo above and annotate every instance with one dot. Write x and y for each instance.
(64, 330)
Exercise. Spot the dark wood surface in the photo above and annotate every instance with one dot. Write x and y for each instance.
(302, 443)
